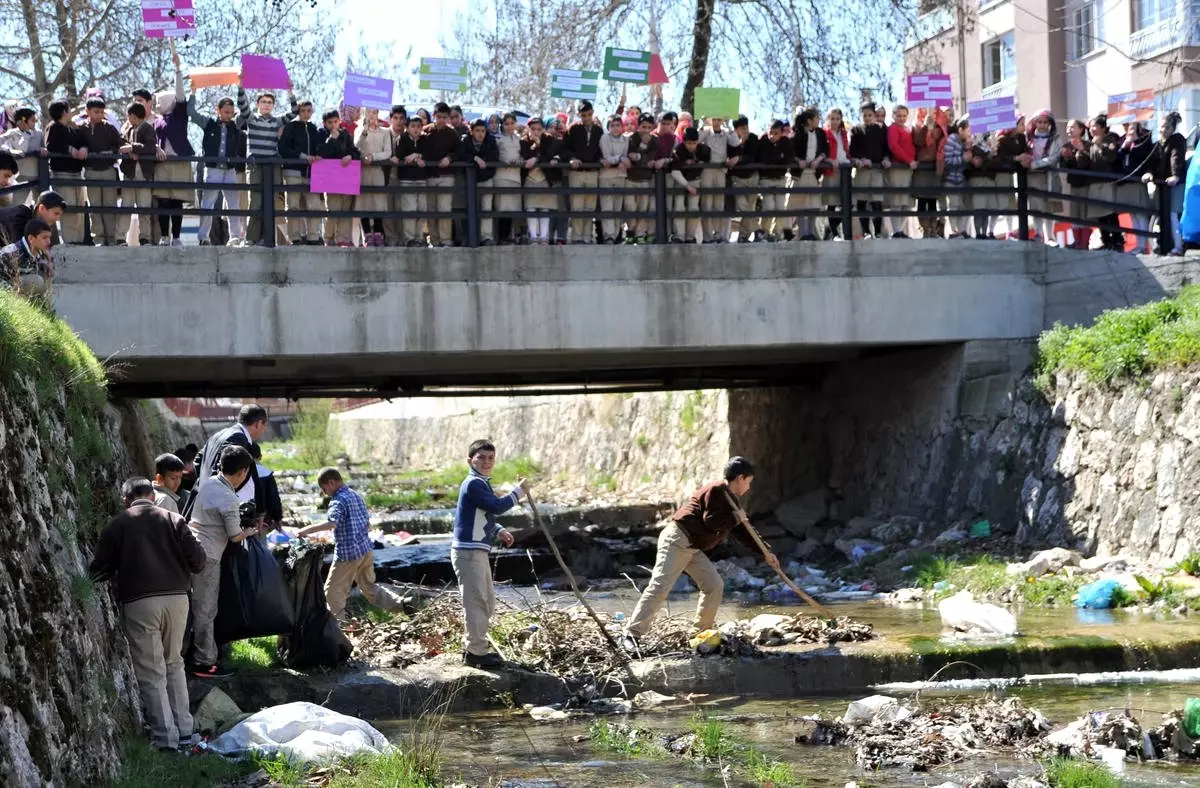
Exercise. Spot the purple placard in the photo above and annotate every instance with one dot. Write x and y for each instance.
(929, 90)
(371, 92)
(992, 114)
(264, 71)
(330, 176)
(168, 18)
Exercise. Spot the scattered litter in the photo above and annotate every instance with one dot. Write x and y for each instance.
(706, 642)
(980, 530)
(648, 699)
(962, 613)
(877, 708)
(301, 731)
(1097, 595)
(547, 713)
(1191, 717)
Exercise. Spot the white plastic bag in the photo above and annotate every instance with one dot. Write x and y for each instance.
(302, 731)
(961, 612)
(877, 708)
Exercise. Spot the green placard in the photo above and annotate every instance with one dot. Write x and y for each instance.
(442, 73)
(570, 83)
(718, 102)
(626, 65)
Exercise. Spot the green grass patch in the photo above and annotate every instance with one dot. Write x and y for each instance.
(404, 499)
(1069, 773)
(689, 414)
(316, 444)
(1052, 589)
(284, 456)
(1126, 344)
(713, 740)
(624, 740)
(256, 655)
(142, 766)
(771, 773)
(419, 768)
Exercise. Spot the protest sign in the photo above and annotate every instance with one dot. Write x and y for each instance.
(929, 90)
(329, 176)
(992, 114)
(658, 74)
(264, 72)
(571, 83)
(204, 77)
(1129, 107)
(627, 65)
(443, 73)
(718, 102)
(168, 18)
(370, 92)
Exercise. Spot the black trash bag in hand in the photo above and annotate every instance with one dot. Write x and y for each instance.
(254, 600)
(316, 641)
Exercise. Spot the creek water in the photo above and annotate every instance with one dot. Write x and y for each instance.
(508, 748)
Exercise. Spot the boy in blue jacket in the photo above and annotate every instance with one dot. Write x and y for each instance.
(475, 529)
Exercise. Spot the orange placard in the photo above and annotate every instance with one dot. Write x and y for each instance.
(213, 77)
(1129, 107)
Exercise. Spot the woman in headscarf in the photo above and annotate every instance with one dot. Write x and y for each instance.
(424, 115)
(1103, 154)
(1076, 156)
(171, 127)
(929, 137)
(1046, 145)
(494, 127)
(1132, 156)
(374, 143)
(1168, 165)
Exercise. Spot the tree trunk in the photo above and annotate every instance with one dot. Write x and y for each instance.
(701, 40)
(67, 36)
(37, 56)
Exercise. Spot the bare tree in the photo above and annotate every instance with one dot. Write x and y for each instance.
(60, 47)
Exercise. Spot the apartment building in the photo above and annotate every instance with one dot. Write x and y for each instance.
(1065, 55)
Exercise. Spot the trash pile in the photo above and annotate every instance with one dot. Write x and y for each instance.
(887, 733)
(1113, 736)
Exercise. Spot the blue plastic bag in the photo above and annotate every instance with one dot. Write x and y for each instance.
(1097, 595)
(1189, 221)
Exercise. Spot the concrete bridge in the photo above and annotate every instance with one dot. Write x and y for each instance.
(317, 321)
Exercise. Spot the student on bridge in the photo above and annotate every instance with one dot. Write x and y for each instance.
(699, 525)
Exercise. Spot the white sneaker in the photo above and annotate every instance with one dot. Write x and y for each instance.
(164, 241)
(177, 243)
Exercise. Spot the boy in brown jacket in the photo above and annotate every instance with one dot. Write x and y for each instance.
(141, 146)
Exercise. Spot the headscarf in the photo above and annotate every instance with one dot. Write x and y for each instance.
(7, 120)
(499, 125)
(165, 102)
(562, 118)
(1031, 125)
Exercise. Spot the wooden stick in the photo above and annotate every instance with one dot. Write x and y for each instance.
(537, 518)
(758, 540)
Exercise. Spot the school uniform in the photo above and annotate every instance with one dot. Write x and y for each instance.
(1009, 145)
(434, 145)
(745, 176)
(642, 153)
(1131, 159)
(1046, 150)
(900, 177)
(980, 177)
(716, 228)
(338, 230)
(145, 146)
(68, 177)
(299, 139)
(374, 144)
(544, 148)
(954, 161)
(409, 194)
(927, 181)
(1075, 184)
(583, 143)
(25, 147)
(831, 179)
(810, 147)
(613, 150)
(489, 152)
(508, 177)
(869, 143)
(1103, 155)
(774, 158)
(104, 142)
(685, 173)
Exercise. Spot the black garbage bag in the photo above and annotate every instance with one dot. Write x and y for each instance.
(254, 600)
(316, 641)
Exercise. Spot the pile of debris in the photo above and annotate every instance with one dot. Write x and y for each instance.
(1119, 735)
(886, 733)
(779, 630)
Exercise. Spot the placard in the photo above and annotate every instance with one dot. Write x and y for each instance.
(929, 90)
(371, 92)
(211, 77)
(168, 18)
(718, 102)
(264, 72)
(627, 65)
(443, 73)
(329, 176)
(1129, 107)
(995, 114)
(570, 83)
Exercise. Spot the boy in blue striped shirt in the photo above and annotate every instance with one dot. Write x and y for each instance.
(475, 529)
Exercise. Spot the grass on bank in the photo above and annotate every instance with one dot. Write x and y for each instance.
(1070, 773)
(254, 656)
(1126, 344)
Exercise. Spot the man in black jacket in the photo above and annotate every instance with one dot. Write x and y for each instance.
(480, 149)
(250, 428)
(152, 555)
(742, 162)
(222, 140)
(299, 142)
(775, 155)
(333, 142)
(49, 208)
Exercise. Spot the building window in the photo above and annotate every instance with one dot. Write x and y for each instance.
(998, 62)
(1148, 13)
(1083, 31)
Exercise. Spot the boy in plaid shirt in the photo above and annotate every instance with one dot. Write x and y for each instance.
(353, 558)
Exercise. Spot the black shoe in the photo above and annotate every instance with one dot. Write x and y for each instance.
(210, 672)
(490, 660)
(899, 235)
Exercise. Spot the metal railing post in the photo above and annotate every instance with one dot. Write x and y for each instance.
(662, 234)
(267, 184)
(845, 186)
(43, 174)
(1022, 204)
(472, 206)
(1166, 238)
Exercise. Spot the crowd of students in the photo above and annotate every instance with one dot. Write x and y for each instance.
(783, 184)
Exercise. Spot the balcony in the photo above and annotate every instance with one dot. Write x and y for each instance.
(1005, 87)
(1163, 37)
(929, 26)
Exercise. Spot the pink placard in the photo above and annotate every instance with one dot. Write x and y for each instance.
(929, 90)
(330, 177)
(264, 71)
(168, 18)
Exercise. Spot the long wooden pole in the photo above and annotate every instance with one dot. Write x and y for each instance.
(758, 540)
(537, 518)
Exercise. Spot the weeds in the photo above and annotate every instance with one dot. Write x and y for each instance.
(315, 442)
(1164, 591)
(713, 741)
(256, 655)
(282, 770)
(689, 413)
(1190, 565)
(1069, 773)
(409, 499)
(1054, 589)
(770, 773)
(418, 768)
(623, 740)
(142, 766)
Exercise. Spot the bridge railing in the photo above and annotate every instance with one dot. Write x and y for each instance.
(841, 200)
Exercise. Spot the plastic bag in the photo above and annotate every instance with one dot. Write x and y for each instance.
(963, 613)
(316, 640)
(302, 731)
(1191, 717)
(254, 601)
(1097, 595)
